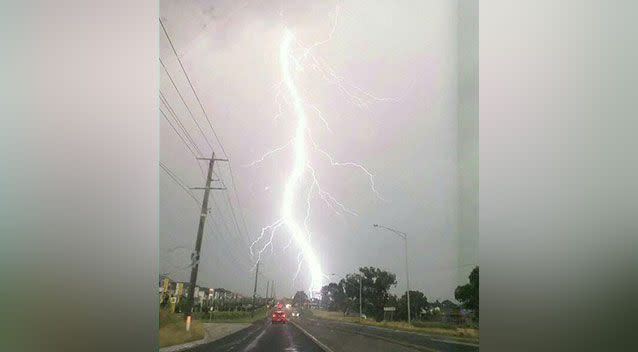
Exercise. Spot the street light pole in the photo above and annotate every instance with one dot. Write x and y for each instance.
(407, 271)
(360, 301)
(407, 274)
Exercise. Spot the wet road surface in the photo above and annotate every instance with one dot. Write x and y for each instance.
(336, 336)
(263, 336)
(341, 337)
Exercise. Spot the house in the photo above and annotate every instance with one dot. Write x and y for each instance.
(222, 294)
(165, 284)
(452, 313)
(446, 311)
(448, 305)
(201, 294)
(314, 303)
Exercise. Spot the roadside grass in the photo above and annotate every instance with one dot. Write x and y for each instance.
(424, 327)
(172, 329)
(306, 313)
(231, 317)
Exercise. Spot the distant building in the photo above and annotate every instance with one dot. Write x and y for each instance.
(222, 294)
(174, 292)
(165, 285)
(446, 311)
(314, 303)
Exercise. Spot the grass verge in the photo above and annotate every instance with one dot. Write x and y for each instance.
(232, 317)
(172, 329)
(428, 328)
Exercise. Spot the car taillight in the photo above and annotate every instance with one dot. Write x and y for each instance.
(274, 315)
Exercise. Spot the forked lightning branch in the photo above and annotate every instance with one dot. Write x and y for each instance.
(302, 179)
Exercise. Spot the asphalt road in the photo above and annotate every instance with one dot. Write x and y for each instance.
(341, 336)
(337, 336)
(263, 336)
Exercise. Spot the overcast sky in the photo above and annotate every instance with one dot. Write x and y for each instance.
(404, 50)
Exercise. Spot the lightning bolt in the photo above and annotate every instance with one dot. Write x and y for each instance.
(303, 174)
(300, 161)
(269, 153)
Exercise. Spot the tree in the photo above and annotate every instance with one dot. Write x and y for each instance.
(468, 294)
(417, 301)
(333, 297)
(375, 286)
(300, 298)
(350, 287)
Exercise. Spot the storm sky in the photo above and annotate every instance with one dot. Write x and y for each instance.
(406, 51)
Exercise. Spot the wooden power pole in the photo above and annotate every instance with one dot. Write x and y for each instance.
(200, 232)
(252, 312)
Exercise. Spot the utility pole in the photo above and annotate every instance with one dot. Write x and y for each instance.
(273, 290)
(200, 232)
(267, 287)
(252, 312)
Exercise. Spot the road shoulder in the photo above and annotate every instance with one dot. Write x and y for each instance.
(212, 332)
(342, 336)
(311, 337)
(434, 337)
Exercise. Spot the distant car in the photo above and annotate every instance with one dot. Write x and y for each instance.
(279, 316)
(294, 313)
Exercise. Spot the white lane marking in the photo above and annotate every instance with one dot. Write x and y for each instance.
(291, 344)
(253, 344)
(314, 339)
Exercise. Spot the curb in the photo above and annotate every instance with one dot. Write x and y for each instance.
(183, 347)
(189, 345)
(314, 339)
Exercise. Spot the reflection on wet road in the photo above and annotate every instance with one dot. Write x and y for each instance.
(263, 337)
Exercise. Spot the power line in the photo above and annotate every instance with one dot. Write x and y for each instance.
(178, 134)
(232, 209)
(222, 220)
(185, 104)
(182, 185)
(241, 213)
(228, 230)
(179, 122)
(179, 182)
(212, 230)
(230, 258)
(208, 120)
(224, 223)
(234, 187)
(185, 188)
(232, 254)
(192, 88)
(184, 141)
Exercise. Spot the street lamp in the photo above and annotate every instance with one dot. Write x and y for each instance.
(360, 298)
(407, 272)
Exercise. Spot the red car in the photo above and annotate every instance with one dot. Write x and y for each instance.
(278, 315)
